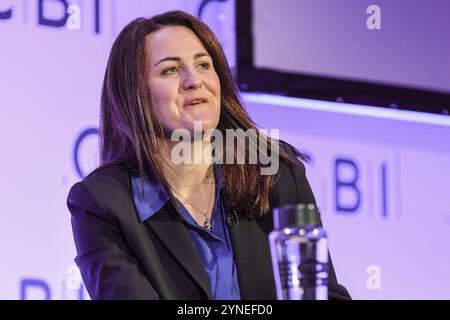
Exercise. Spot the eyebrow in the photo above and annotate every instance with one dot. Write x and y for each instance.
(178, 59)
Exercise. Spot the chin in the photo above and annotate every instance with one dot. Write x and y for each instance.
(206, 124)
(209, 125)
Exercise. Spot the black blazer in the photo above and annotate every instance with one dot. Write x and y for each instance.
(121, 258)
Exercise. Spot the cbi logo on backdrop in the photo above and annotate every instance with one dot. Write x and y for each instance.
(358, 183)
(72, 15)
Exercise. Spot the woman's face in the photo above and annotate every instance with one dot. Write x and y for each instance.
(183, 83)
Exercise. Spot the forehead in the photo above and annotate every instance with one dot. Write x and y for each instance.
(172, 41)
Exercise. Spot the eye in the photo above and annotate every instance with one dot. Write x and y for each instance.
(204, 65)
(170, 70)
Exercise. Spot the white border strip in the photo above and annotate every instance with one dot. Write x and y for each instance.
(346, 108)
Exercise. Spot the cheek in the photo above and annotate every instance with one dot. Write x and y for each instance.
(164, 102)
(163, 97)
(216, 85)
(213, 85)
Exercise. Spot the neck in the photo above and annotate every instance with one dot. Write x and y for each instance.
(184, 177)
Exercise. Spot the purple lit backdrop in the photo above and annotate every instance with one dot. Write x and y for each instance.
(50, 80)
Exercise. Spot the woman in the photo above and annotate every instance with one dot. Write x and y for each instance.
(147, 226)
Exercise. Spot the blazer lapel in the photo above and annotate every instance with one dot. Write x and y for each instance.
(178, 241)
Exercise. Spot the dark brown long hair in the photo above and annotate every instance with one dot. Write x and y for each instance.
(129, 128)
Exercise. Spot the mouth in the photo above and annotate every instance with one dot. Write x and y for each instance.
(195, 101)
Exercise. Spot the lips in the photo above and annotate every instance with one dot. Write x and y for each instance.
(195, 101)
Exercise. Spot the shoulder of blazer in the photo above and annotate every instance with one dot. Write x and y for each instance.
(108, 180)
(297, 167)
(291, 175)
(106, 170)
(101, 190)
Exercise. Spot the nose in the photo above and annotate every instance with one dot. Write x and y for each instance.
(191, 80)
